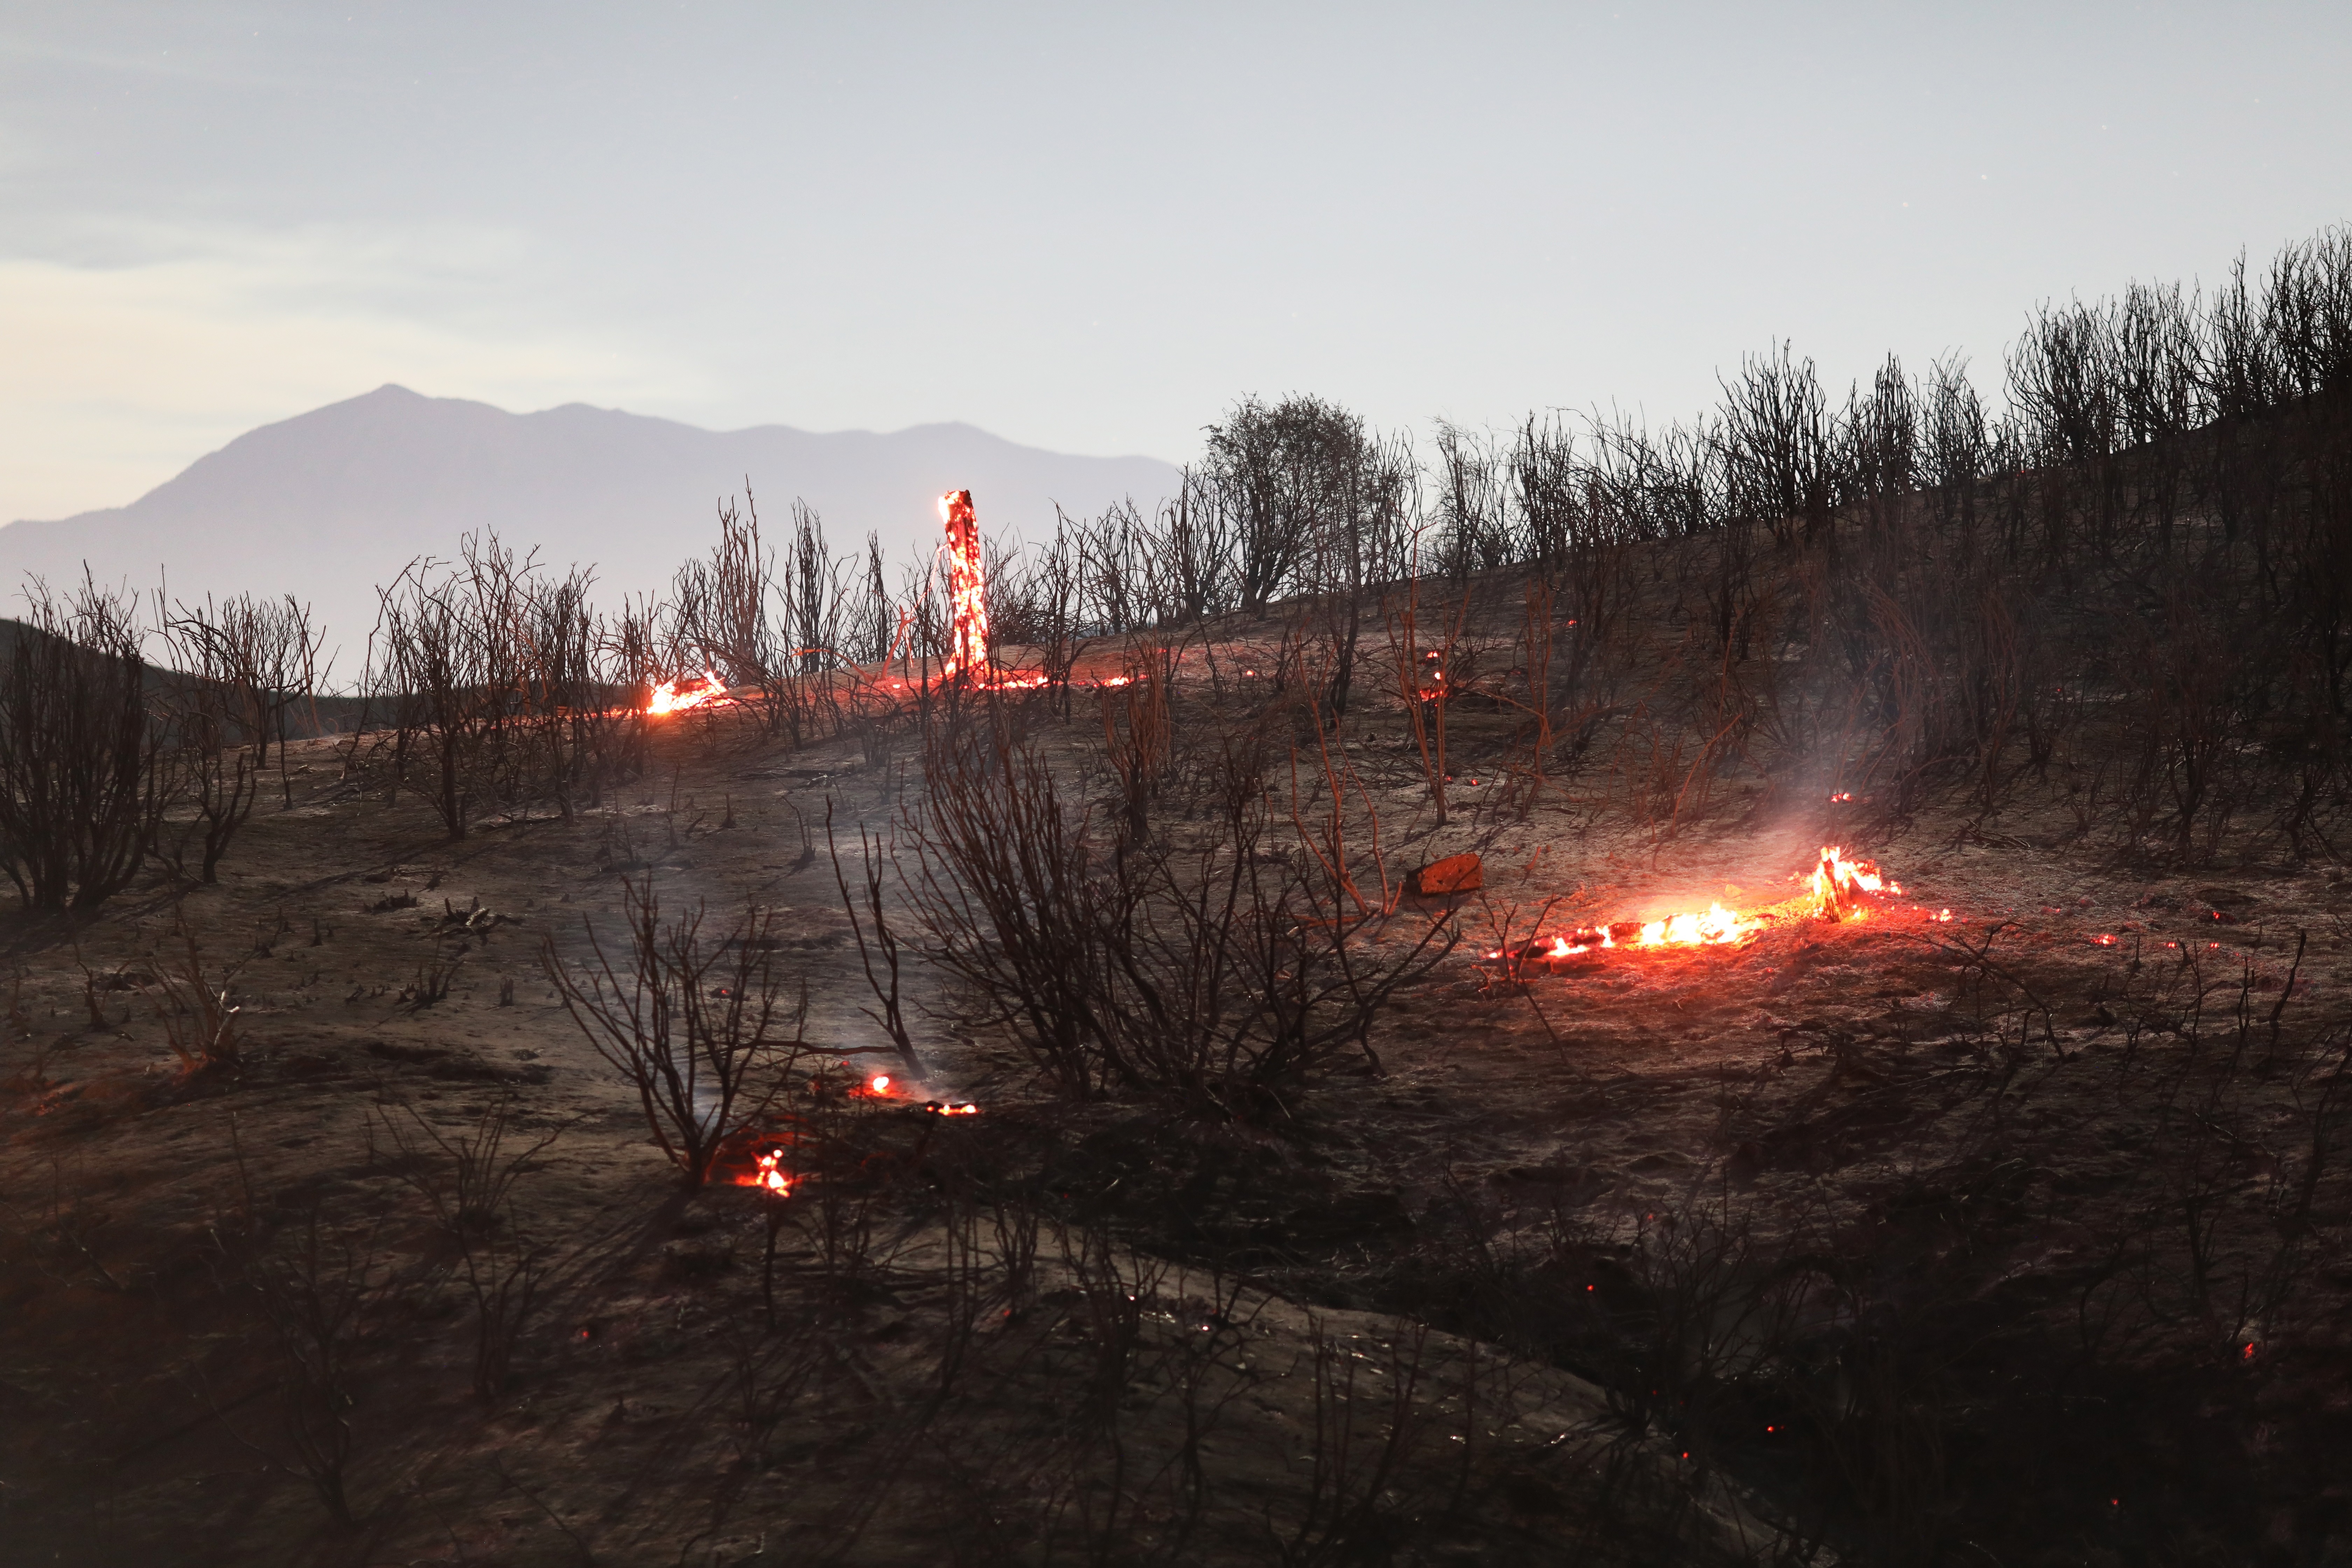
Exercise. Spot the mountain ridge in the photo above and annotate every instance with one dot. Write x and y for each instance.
(329, 502)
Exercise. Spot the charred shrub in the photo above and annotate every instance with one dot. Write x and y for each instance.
(80, 783)
(705, 1032)
(1223, 970)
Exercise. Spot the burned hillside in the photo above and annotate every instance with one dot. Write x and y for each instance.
(1771, 989)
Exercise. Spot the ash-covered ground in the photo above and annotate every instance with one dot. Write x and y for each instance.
(2019, 1233)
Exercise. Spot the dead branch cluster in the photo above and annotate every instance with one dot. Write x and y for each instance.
(1219, 958)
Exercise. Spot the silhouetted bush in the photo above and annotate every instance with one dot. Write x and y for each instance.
(81, 782)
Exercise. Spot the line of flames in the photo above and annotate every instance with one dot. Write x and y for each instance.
(668, 699)
(1840, 889)
(677, 697)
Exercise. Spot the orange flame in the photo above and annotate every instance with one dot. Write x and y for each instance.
(967, 585)
(1717, 925)
(769, 1176)
(668, 699)
(1839, 884)
(1583, 942)
(1840, 889)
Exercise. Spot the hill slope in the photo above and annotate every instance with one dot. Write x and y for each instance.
(328, 504)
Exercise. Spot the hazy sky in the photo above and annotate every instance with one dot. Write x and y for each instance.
(1087, 227)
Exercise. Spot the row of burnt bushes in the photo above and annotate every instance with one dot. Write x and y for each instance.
(2173, 685)
(1300, 497)
(2152, 645)
(2142, 563)
(108, 761)
(2130, 581)
(2160, 636)
(496, 685)
(139, 735)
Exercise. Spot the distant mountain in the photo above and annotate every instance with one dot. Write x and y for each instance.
(328, 504)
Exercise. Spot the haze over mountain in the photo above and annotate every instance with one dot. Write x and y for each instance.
(328, 504)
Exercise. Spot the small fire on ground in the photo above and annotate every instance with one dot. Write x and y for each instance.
(766, 1168)
(769, 1174)
(1840, 889)
(882, 1086)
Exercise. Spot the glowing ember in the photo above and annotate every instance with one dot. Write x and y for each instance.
(946, 1108)
(668, 699)
(967, 585)
(769, 1176)
(879, 1084)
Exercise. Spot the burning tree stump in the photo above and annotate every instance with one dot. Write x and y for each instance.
(967, 585)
